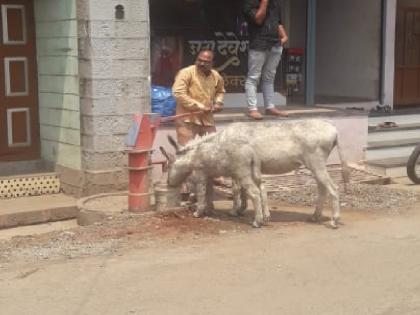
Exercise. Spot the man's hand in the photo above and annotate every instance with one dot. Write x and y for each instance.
(261, 12)
(283, 35)
(284, 40)
(217, 107)
(204, 108)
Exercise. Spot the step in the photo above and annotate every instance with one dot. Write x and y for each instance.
(384, 144)
(35, 210)
(404, 122)
(373, 127)
(397, 112)
(394, 135)
(392, 167)
(33, 184)
(379, 153)
(404, 119)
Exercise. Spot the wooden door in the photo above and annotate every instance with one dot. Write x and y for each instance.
(19, 126)
(407, 57)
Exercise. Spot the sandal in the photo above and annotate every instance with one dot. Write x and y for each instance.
(255, 114)
(387, 124)
(275, 112)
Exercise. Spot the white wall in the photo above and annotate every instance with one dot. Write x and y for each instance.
(348, 48)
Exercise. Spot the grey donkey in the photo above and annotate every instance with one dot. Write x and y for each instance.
(282, 147)
(207, 157)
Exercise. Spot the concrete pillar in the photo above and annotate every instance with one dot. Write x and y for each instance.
(388, 54)
(114, 72)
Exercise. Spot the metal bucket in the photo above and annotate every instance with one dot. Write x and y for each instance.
(166, 198)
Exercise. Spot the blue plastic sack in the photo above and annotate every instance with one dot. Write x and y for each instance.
(162, 101)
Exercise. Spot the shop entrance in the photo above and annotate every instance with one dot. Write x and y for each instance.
(180, 28)
(348, 46)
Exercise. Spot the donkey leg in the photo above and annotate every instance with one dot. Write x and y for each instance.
(236, 195)
(209, 196)
(254, 193)
(201, 198)
(335, 205)
(322, 194)
(331, 188)
(244, 201)
(264, 203)
(324, 181)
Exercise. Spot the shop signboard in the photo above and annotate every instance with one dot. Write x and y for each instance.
(181, 28)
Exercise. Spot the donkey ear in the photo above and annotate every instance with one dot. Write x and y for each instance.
(173, 142)
(168, 156)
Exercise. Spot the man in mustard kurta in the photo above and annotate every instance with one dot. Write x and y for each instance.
(198, 88)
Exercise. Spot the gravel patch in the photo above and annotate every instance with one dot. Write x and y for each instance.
(110, 237)
(66, 244)
(358, 196)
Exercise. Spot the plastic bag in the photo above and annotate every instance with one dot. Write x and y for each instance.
(162, 101)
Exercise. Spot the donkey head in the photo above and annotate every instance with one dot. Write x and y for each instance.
(179, 165)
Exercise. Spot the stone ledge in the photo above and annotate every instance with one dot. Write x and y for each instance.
(36, 210)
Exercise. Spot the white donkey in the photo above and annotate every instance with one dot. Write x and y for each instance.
(206, 158)
(284, 146)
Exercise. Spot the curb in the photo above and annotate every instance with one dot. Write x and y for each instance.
(10, 220)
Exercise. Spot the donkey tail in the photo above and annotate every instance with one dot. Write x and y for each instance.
(256, 170)
(345, 169)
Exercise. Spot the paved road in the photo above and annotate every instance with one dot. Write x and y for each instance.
(371, 265)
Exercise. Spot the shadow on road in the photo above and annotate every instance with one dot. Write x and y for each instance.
(277, 216)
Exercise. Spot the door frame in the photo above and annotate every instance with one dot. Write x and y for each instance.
(402, 7)
(19, 104)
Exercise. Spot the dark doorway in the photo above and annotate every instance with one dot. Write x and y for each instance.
(407, 57)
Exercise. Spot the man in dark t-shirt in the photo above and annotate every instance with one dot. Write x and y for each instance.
(267, 36)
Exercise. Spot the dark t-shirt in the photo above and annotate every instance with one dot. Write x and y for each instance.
(265, 36)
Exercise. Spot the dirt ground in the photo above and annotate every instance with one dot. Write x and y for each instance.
(176, 264)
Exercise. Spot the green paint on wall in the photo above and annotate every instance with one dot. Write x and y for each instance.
(58, 81)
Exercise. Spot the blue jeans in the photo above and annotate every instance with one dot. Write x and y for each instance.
(262, 65)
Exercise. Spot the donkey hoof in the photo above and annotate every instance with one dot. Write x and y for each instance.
(333, 224)
(267, 219)
(197, 214)
(256, 224)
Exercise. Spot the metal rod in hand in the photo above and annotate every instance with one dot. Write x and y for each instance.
(176, 117)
